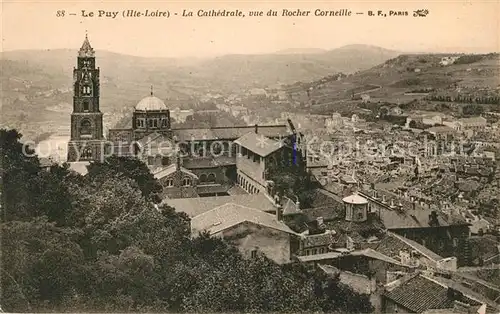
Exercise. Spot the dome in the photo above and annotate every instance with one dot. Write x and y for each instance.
(151, 103)
(355, 199)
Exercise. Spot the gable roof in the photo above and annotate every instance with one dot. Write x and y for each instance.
(290, 207)
(420, 293)
(408, 217)
(228, 133)
(196, 206)
(417, 247)
(229, 215)
(259, 144)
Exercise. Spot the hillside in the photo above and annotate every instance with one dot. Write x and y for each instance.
(37, 93)
(402, 80)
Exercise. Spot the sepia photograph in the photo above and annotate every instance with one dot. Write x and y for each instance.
(250, 157)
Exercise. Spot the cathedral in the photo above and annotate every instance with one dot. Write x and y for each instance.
(194, 162)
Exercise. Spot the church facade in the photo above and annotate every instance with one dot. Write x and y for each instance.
(187, 162)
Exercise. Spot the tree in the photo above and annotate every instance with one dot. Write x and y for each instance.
(96, 242)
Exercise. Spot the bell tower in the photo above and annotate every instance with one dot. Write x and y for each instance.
(87, 141)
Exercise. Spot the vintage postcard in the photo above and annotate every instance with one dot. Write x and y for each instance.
(250, 156)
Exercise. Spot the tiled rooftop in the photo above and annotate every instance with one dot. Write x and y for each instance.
(420, 294)
(229, 215)
(259, 144)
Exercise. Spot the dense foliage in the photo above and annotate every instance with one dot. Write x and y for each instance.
(294, 182)
(97, 243)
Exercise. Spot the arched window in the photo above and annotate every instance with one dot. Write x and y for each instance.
(211, 178)
(86, 90)
(201, 151)
(169, 183)
(186, 182)
(85, 127)
(87, 153)
(203, 178)
(216, 148)
(85, 106)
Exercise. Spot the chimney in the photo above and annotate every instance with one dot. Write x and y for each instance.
(279, 213)
(178, 163)
(256, 128)
(320, 221)
(392, 202)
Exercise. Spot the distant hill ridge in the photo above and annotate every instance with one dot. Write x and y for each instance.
(239, 71)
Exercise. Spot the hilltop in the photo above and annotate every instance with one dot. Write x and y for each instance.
(403, 79)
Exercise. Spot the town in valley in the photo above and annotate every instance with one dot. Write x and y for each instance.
(370, 191)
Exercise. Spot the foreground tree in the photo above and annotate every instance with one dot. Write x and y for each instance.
(97, 243)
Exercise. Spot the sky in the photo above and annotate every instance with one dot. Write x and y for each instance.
(450, 26)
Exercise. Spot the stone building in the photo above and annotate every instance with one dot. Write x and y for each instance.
(87, 140)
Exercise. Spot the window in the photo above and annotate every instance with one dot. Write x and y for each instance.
(211, 178)
(314, 252)
(165, 161)
(150, 123)
(203, 178)
(307, 252)
(169, 183)
(164, 123)
(321, 251)
(360, 215)
(151, 160)
(186, 182)
(253, 253)
(85, 106)
(86, 127)
(86, 90)
(155, 123)
(455, 242)
(87, 153)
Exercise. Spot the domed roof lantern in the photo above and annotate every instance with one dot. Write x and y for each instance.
(151, 103)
